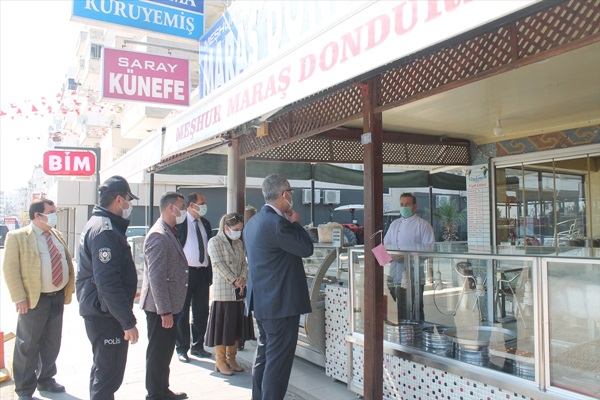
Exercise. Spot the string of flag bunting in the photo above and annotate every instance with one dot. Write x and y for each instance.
(67, 106)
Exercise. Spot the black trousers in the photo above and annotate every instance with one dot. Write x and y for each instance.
(161, 343)
(275, 350)
(405, 305)
(37, 345)
(110, 356)
(197, 297)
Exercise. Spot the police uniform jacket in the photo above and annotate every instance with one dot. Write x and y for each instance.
(106, 275)
(229, 261)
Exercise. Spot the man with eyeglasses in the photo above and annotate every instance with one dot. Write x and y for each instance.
(39, 275)
(278, 294)
(193, 234)
(106, 286)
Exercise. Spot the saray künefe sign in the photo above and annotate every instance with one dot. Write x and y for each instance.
(144, 77)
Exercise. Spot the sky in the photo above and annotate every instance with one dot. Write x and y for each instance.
(37, 47)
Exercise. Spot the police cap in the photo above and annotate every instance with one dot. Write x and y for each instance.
(117, 184)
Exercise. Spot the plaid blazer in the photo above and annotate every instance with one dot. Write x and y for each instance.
(229, 263)
(23, 267)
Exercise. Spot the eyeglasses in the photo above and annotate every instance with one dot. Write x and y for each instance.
(289, 191)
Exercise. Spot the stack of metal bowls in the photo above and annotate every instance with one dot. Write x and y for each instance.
(404, 332)
(434, 341)
(471, 343)
(409, 331)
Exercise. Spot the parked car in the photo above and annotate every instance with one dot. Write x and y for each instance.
(3, 231)
(137, 231)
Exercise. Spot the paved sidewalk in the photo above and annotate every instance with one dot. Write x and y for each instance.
(198, 378)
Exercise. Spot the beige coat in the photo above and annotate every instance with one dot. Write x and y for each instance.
(22, 266)
(229, 263)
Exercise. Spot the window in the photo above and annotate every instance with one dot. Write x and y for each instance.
(95, 51)
(546, 203)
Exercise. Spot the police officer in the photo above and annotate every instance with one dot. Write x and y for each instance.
(106, 286)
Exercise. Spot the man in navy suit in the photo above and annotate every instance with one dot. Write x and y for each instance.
(277, 289)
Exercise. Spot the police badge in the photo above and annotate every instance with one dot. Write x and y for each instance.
(104, 255)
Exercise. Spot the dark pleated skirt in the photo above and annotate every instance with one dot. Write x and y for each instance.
(227, 324)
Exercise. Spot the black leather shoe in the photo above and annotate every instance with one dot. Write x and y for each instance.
(183, 358)
(52, 387)
(200, 353)
(177, 396)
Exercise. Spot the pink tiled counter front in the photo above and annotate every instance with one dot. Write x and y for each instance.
(403, 379)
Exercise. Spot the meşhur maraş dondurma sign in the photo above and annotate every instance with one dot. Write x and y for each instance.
(252, 31)
(368, 37)
(182, 18)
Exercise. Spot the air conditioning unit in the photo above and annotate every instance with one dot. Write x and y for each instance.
(331, 197)
(306, 196)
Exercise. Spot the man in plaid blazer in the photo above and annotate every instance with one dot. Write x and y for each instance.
(39, 298)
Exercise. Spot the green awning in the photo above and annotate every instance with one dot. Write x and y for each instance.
(216, 164)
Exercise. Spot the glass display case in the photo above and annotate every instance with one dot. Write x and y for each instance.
(327, 266)
(522, 322)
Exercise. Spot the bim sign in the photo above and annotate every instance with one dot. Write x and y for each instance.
(69, 163)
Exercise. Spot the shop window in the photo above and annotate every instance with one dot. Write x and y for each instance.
(547, 203)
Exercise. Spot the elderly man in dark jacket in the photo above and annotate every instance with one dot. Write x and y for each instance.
(277, 288)
(106, 285)
(163, 294)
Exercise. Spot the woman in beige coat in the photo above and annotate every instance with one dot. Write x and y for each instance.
(225, 327)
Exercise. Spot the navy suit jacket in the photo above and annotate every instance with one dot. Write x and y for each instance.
(182, 231)
(277, 286)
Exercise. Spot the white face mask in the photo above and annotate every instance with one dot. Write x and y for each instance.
(127, 211)
(291, 203)
(201, 209)
(182, 215)
(233, 235)
(51, 222)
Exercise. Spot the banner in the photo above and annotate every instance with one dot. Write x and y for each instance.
(382, 32)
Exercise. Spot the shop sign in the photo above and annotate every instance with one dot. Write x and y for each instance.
(375, 35)
(69, 163)
(252, 31)
(181, 18)
(143, 77)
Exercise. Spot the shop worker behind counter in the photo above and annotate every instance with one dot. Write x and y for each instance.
(408, 230)
(106, 286)
(277, 288)
(39, 275)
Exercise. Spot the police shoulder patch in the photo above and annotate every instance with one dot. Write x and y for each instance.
(104, 255)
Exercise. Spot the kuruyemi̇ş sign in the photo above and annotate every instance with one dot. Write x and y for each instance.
(152, 78)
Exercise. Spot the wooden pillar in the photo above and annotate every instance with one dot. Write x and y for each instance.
(239, 182)
(372, 140)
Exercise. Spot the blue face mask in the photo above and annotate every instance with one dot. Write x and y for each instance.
(406, 212)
